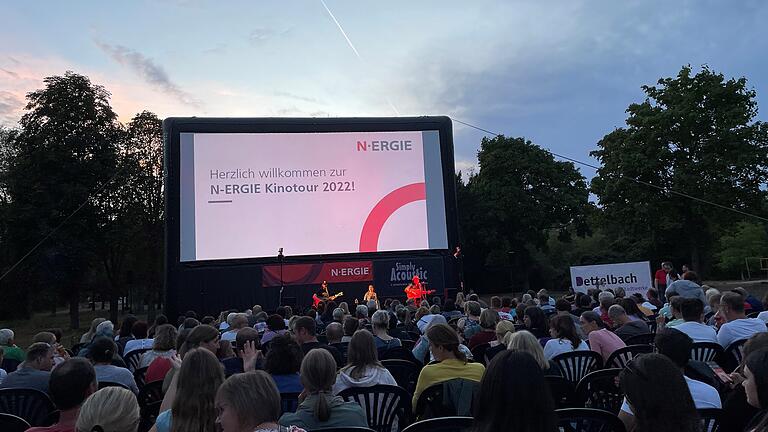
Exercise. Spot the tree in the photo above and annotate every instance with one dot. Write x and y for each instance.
(693, 134)
(65, 154)
(748, 241)
(519, 195)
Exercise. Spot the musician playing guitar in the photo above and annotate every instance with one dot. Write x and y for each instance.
(323, 295)
(415, 290)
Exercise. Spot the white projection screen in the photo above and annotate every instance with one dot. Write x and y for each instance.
(247, 194)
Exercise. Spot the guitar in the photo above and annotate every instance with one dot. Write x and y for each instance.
(316, 300)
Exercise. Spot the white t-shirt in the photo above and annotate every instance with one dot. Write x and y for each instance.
(137, 344)
(559, 346)
(704, 396)
(698, 332)
(229, 335)
(742, 328)
(763, 316)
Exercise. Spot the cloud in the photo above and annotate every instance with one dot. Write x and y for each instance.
(147, 69)
(218, 49)
(11, 107)
(11, 73)
(289, 95)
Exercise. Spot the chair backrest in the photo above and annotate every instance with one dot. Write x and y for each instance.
(706, 351)
(641, 339)
(442, 424)
(342, 347)
(414, 335)
(710, 419)
(103, 384)
(289, 402)
(150, 398)
(563, 391)
(133, 358)
(588, 420)
(622, 356)
(576, 364)
(140, 376)
(405, 373)
(10, 365)
(32, 405)
(408, 344)
(398, 353)
(384, 405)
(446, 399)
(12, 423)
(478, 352)
(734, 354)
(600, 389)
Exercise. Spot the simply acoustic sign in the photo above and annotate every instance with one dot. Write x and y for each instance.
(633, 277)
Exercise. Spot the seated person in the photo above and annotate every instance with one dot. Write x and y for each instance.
(380, 325)
(283, 363)
(318, 407)
(234, 365)
(564, 338)
(112, 409)
(444, 345)
(525, 341)
(601, 340)
(35, 372)
(363, 368)
(305, 328)
(693, 313)
(70, 385)
(488, 320)
(102, 351)
(625, 328)
(737, 325)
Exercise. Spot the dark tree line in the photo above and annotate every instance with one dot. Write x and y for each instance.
(524, 215)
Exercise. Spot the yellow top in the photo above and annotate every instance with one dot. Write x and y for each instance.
(444, 371)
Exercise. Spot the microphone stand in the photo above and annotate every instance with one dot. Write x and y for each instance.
(280, 257)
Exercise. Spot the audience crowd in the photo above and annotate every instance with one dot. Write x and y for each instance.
(278, 370)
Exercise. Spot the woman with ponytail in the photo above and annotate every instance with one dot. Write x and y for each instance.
(452, 362)
(318, 407)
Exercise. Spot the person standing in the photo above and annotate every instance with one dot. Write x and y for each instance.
(660, 278)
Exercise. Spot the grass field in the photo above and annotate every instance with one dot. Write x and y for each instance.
(25, 330)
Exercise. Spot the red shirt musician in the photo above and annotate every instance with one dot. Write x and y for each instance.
(416, 291)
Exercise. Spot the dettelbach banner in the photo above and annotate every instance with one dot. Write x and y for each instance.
(392, 276)
(634, 277)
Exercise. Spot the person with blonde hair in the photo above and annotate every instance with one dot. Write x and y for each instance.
(88, 337)
(452, 362)
(318, 407)
(363, 368)
(525, 341)
(488, 320)
(197, 382)
(504, 330)
(249, 402)
(111, 409)
(163, 345)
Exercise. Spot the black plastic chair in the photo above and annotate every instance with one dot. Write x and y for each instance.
(439, 400)
(133, 358)
(12, 423)
(622, 356)
(710, 419)
(140, 376)
(289, 402)
(103, 384)
(408, 344)
(588, 420)
(641, 339)
(601, 390)
(10, 365)
(563, 392)
(34, 406)
(442, 424)
(384, 405)
(733, 355)
(575, 365)
(342, 347)
(398, 353)
(405, 373)
(150, 398)
(706, 351)
(478, 352)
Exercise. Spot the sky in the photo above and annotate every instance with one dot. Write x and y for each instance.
(560, 73)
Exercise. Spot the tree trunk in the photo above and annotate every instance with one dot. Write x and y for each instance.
(113, 306)
(74, 308)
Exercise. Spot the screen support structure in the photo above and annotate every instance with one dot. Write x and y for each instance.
(281, 258)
